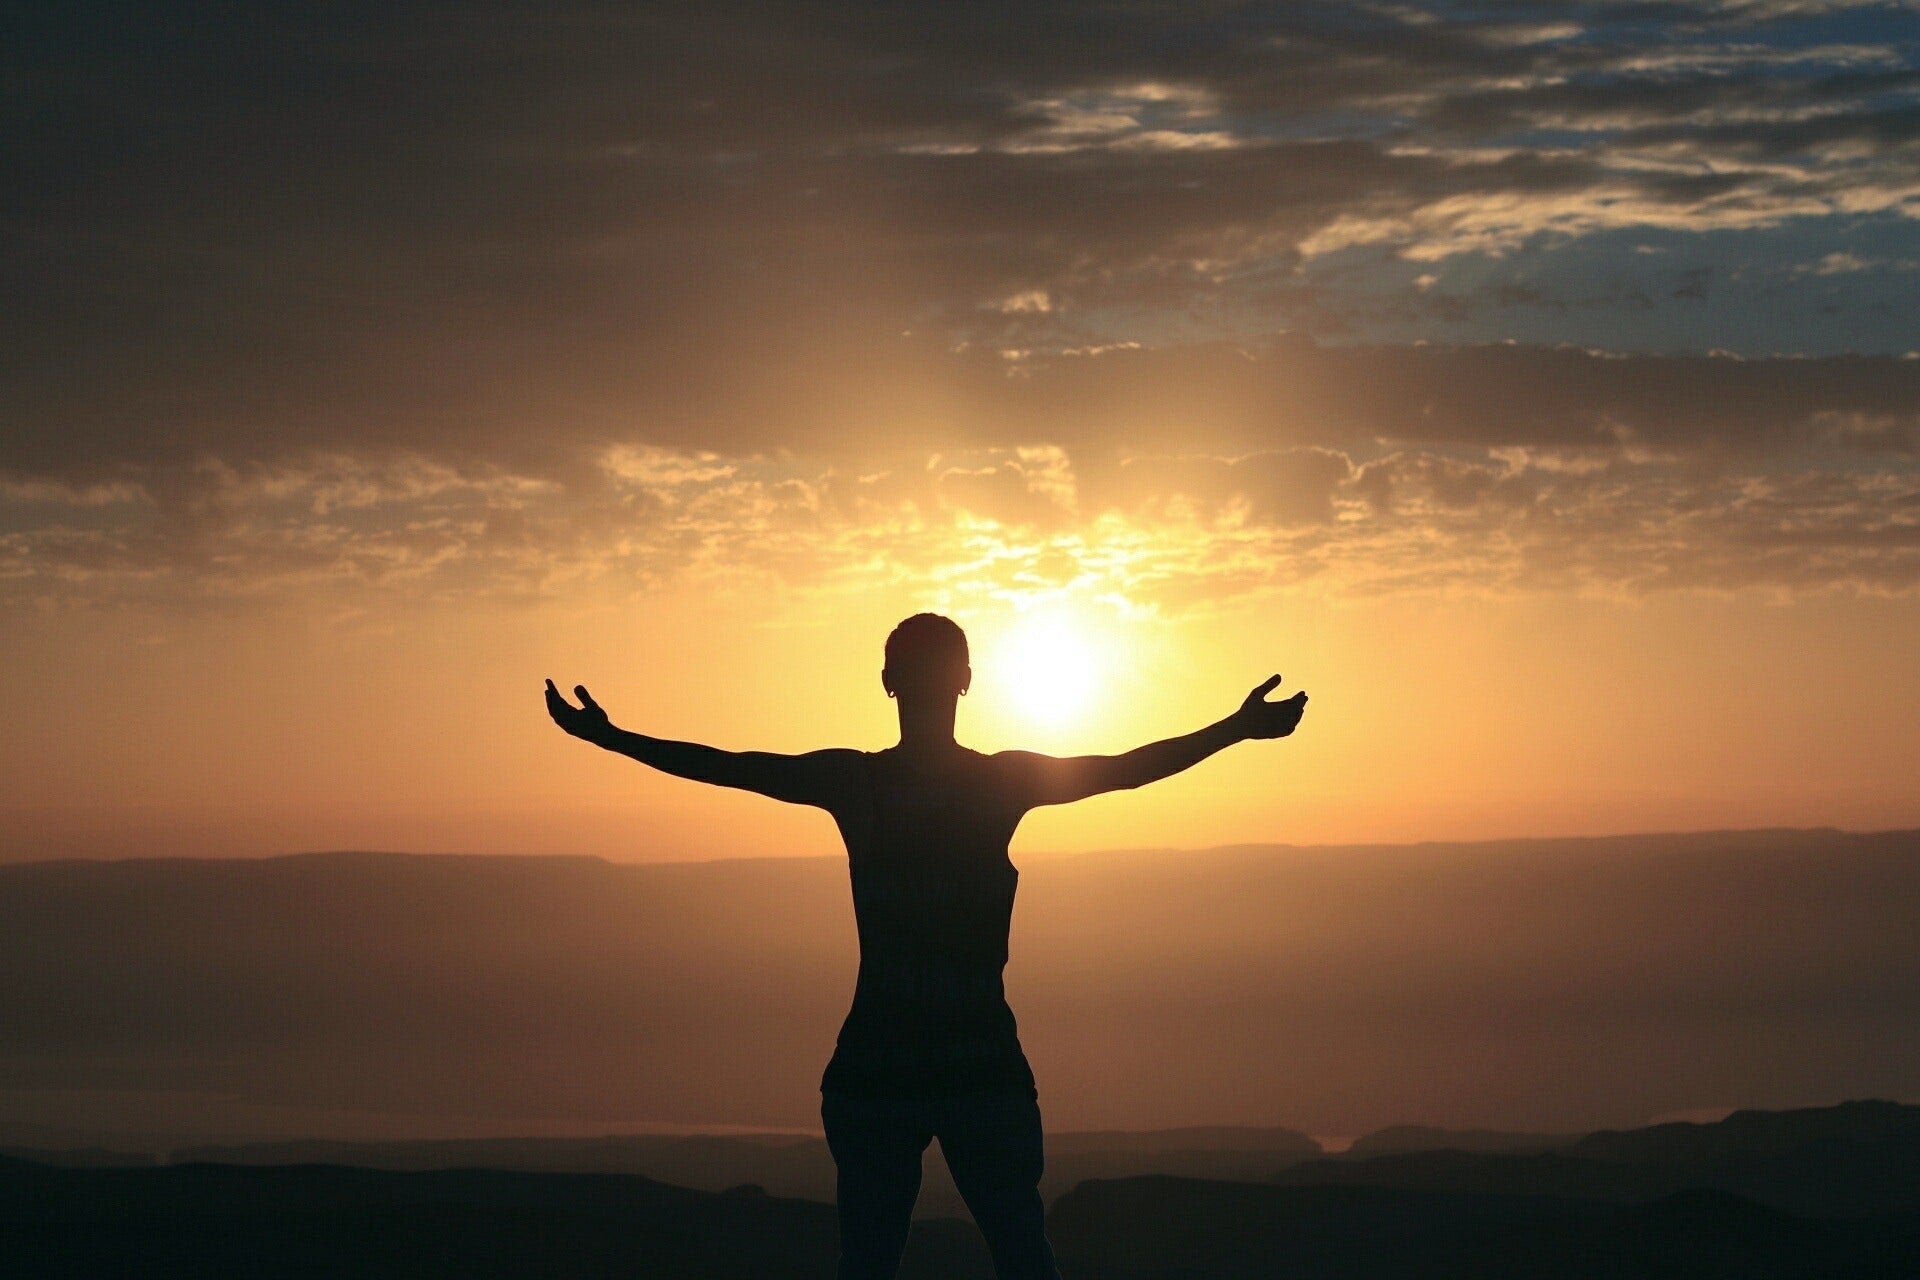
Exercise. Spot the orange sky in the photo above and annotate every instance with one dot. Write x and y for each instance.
(1541, 396)
(1433, 716)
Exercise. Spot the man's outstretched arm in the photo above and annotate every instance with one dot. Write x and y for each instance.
(1062, 780)
(818, 777)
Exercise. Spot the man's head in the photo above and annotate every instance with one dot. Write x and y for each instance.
(927, 658)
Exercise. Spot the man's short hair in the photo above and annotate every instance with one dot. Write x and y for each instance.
(926, 642)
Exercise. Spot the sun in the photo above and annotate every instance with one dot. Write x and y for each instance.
(1046, 667)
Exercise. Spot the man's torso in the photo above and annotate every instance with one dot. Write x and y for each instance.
(933, 893)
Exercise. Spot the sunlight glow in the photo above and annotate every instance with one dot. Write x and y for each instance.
(1047, 666)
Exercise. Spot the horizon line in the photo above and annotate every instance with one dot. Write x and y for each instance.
(1109, 851)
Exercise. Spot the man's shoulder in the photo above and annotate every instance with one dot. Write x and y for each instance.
(1015, 773)
(842, 764)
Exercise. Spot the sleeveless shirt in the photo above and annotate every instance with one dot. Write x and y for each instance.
(933, 901)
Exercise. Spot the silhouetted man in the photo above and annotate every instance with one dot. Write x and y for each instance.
(929, 1049)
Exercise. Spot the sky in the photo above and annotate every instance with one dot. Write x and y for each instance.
(1538, 386)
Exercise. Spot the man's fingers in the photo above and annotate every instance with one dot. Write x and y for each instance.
(1268, 686)
(586, 699)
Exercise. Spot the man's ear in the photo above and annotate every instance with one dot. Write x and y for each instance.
(886, 682)
(966, 680)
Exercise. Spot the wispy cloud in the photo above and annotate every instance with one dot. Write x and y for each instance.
(1612, 476)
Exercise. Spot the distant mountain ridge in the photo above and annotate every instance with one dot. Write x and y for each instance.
(1855, 1158)
(1749, 1131)
(1754, 1132)
(316, 1220)
(798, 1166)
(1400, 1139)
(1663, 1216)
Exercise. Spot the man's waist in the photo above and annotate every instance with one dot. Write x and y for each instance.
(907, 1067)
(930, 981)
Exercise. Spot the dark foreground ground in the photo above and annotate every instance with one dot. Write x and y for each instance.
(1810, 1195)
(318, 1220)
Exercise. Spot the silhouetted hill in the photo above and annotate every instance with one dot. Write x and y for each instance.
(300, 1221)
(379, 996)
(81, 1157)
(1177, 1229)
(791, 1166)
(1401, 1139)
(795, 1166)
(317, 1220)
(1856, 1158)
(1218, 1138)
(1753, 1133)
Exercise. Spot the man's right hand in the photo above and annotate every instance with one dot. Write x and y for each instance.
(586, 721)
(1258, 718)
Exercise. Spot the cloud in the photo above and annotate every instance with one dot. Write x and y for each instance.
(1281, 488)
(294, 203)
(477, 300)
(1461, 471)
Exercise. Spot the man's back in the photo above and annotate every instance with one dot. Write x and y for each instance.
(926, 836)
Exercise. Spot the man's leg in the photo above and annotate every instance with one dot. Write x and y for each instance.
(992, 1146)
(876, 1147)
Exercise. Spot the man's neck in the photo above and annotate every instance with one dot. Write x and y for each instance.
(928, 729)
